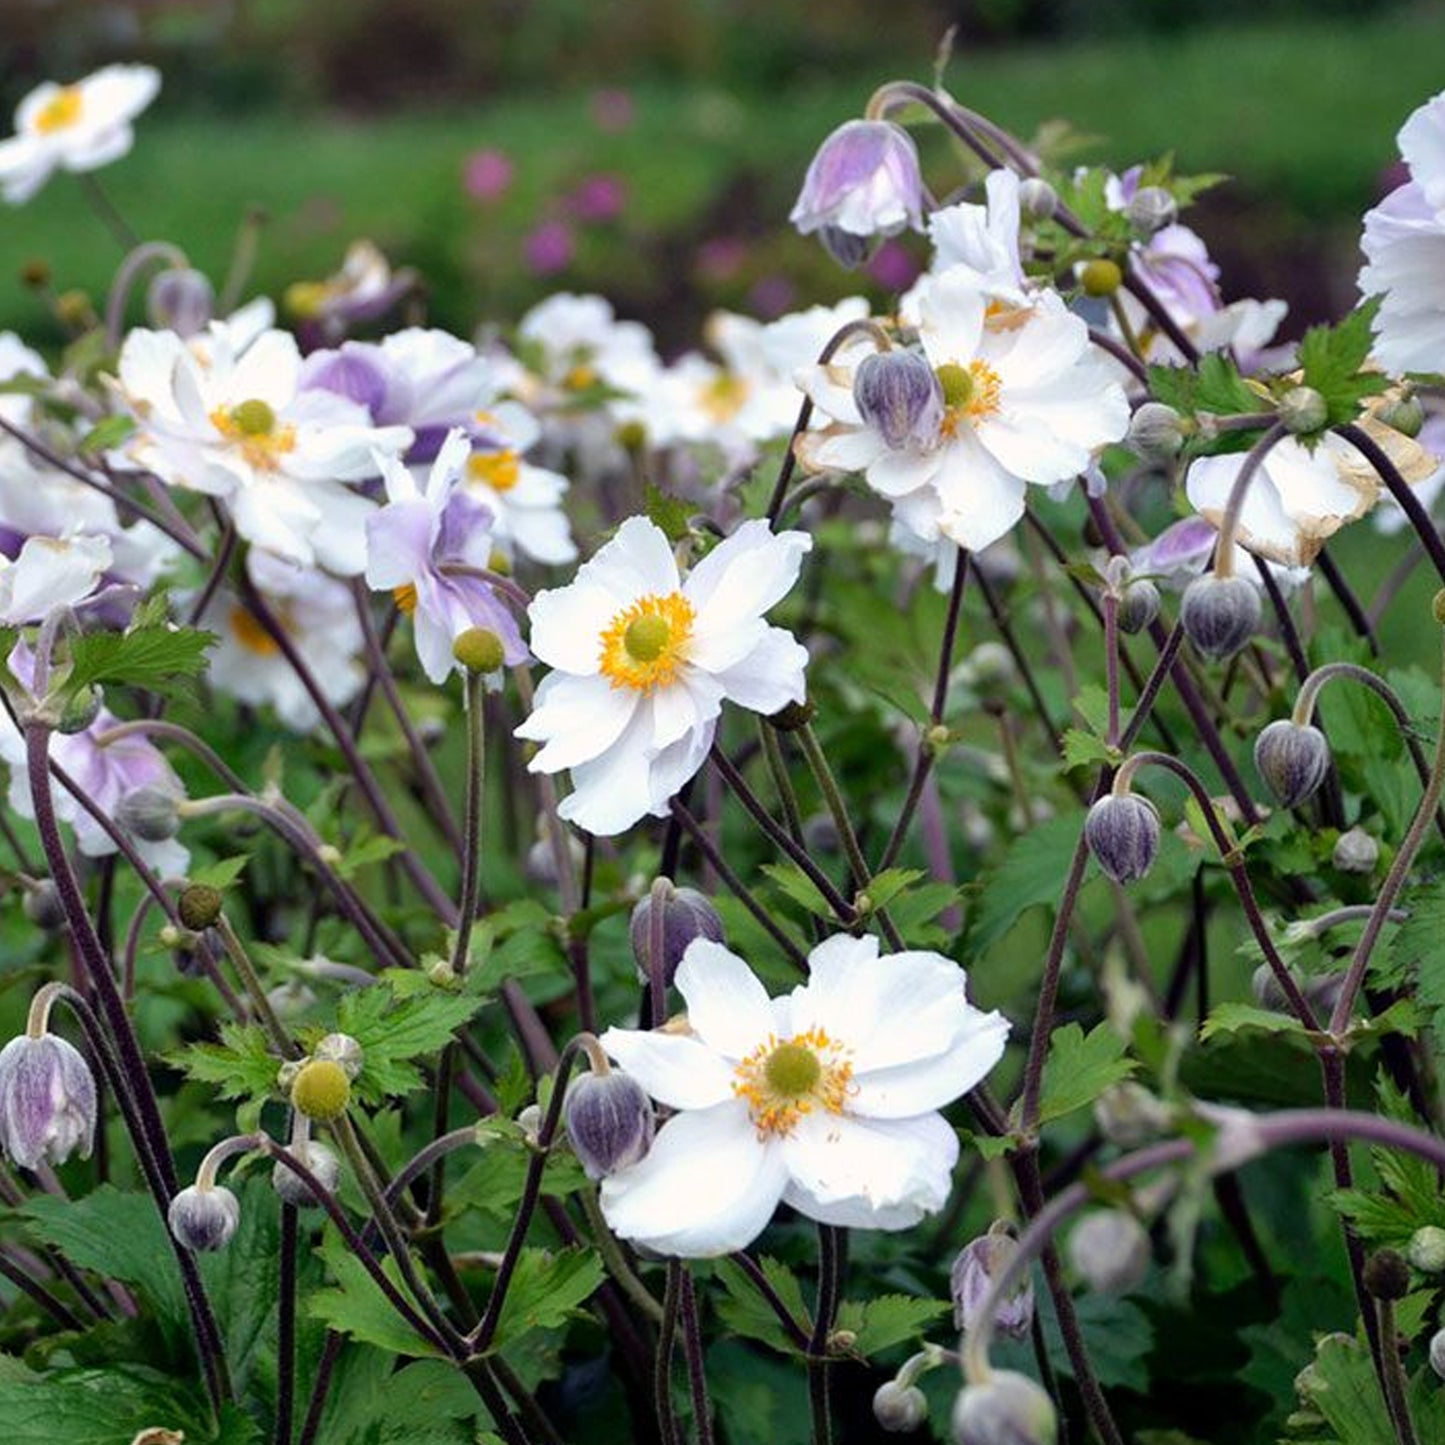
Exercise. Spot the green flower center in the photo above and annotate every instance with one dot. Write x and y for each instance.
(792, 1070)
(956, 382)
(254, 418)
(646, 637)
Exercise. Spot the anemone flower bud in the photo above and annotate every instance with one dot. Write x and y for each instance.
(1386, 1275)
(864, 180)
(42, 906)
(1355, 852)
(199, 906)
(152, 814)
(1437, 1353)
(204, 1217)
(1406, 415)
(897, 392)
(1156, 432)
(979, 1262)
(1139, 605)
(1128, 1115)
(1006, 1409)
(47, 1101)
(341, 1049)
(848, 250)
(182, 300)
(1426, 1250)
(1150, 209)
(1219, 614)
(320, 1160)
(686, 915)
(1122, 831)
(1109, 1249)
(81, 709)
(899, 1408)
(1038, 200)
(609, 1120)
(1303, 410)
(1293, 760)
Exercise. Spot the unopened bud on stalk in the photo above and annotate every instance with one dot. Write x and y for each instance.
(151, 814)
(199, 906)
(1303, 410)
(1110, 1251)
(42, 906)
(1156, 432)
(1139, 606)
(686, 915)
(899, 1408)
(978, 1264)
(793, 716)
(204, 1217)
(1006, 1409)
(1122, 831)
(610, 1121)
(1427, 1249)
(81, 709)
(1038, 200)
(1387, 1275)
(182, 300)
(1150, 209)
(1437, 1353)
(1321, 990)
(47, 1101)
(321, 1090)
(898, 393)
(1219, 614)
(1293, 759)
(1406, 416)
(341, 1049)
(1355, 852)
(319, 1160)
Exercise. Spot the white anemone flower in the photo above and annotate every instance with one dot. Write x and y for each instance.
(825, 1099)
(78, 127)
(1026, 399)
(525, 499)
(644, 661)
(50, 572)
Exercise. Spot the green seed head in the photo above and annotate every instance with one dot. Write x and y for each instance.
(253, 418)
(792, 1070)
(957, 383)
(479, 649)
(645, 638)
(1101, 278)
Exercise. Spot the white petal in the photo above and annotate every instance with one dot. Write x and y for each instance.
(910, 1088)
(676, 1069)
(578, 718)
(610, 792)
(727, 1006)
(567, 626)
(770, 676)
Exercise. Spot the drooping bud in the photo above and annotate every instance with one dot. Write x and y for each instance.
(204, 1218)
(1321, 990)
(1355, 852)
(1139, 605)
(1293, 759)
(1386, 1275)
(899, 1409)
(80, 709)
(182, 300)
(199, 906)
(1100, 277)
(1406, 416)
(42, 906)
(686, 914)
(1122, 831)
(1219, 614)
(1302, 410)
(47, 1101)
(1038, 200)
(898, 393)
(1156, 432)
(1006, 1409)
(152, 814)
(848, 250)
(1109, 1249)
(1427, 1249)
(978, 1264)
(1150, 209)
(1437, 1353)
(320, 1160)
(321, 1090)
(864, 181)
(609, 1120)
(792, 716)
(341, 1049)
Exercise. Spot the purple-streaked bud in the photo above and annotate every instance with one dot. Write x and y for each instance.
(320, 1160)
(1150, 209)
(42, 905)
(1006, 1409)
(1038, 200)
(204, 1219)
(1122, 831)
(151, 814)
(978, 1264)
(1156, 432)
(1139, 605)
(1110, 1251)
(1219, 614)
(864, 180)
(897, 392)
(848, 250)
(686, 915)
(899, 1409)
(1355, 852)
(1437, 1353)
(182, 300)
(341, 1049)
(47, 1101)
(1293, 759)
(609, 1120)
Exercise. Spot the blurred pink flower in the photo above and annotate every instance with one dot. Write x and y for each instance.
(549, 248)
(486, 174)
(772, 296)
(599, 198)
(612, 110)
(721, 258)
(893, 266)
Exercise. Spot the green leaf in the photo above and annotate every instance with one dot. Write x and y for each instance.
(1342, 1387)
(1031, 874)
(747, 1314)
(1119, 1335)
(1232, 1018)
(799, 887)
(547, 1289)
(1080, 1067)
(1331, 358)
(1092, 704)
(159, 659)
(107, 433)
(1084, 750)
(670, 514)
(222, 873)
(241, 1066)
(355, 1305)
(366, 850)
(889, 884)
(889, 1320)
(758, 1398)
(394, 1033)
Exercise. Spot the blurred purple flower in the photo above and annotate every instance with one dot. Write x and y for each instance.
(549, 248)
(721, 258)
(771, 296)
(893, 266)
(486, 174)
(613, 110)
(599, 198)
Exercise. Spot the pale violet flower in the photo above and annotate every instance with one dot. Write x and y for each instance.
(1185, 549)
(419, 547)
(1404, 246)
(643, 661)
(50, 573)
(825, 1099)
(47, 1101)
(232, 423)
(78, 127)
(863, 181)
(1027, 400)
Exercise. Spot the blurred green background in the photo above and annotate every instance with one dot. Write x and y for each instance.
(651, 149)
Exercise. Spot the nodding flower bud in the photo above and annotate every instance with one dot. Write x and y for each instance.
(182, 300)
(609, 1120)
(1139, 605)
(321, 1090)
(1427, 1249)
(47, 1101)
(151, 814)
(204, 1217)
(1387, 1275)
(1355, 852)
(1406, 416)
(1302, 409)
(1219, 614)
(1321, 990)
(1038, 200)
(42, 905)
(1156, 432)
(978, 1263)
(848, 250)
(1150, 209)
(792, 716)
(1110, 1250)
(1122, 831)
(81, 709)
(1293, 760)
(1006, 1409)
(199, 906)
(898, 393)
(686, 915)
(1437, 1353)
(864, 180)
(341, 1049)
(898, 1408)
(321, 1161)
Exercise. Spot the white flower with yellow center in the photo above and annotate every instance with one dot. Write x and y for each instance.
(78, 127)
(525, 500)
(644, 661)
(1025, 398)
(825, 1099)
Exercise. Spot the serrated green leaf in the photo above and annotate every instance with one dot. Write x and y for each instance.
(1084, 750)
(241, 1066)
(1331, 358)
(1080, 1067)
(395, 1033)
(889, 884)
(160, 659)
(222, 873)
(747, 1314)
(355, 1305)
(546, 1290)
(1232, 1018)
(1032, 873)
(891, 1319)
(670, 514)
(799, 887)
(366, 850)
